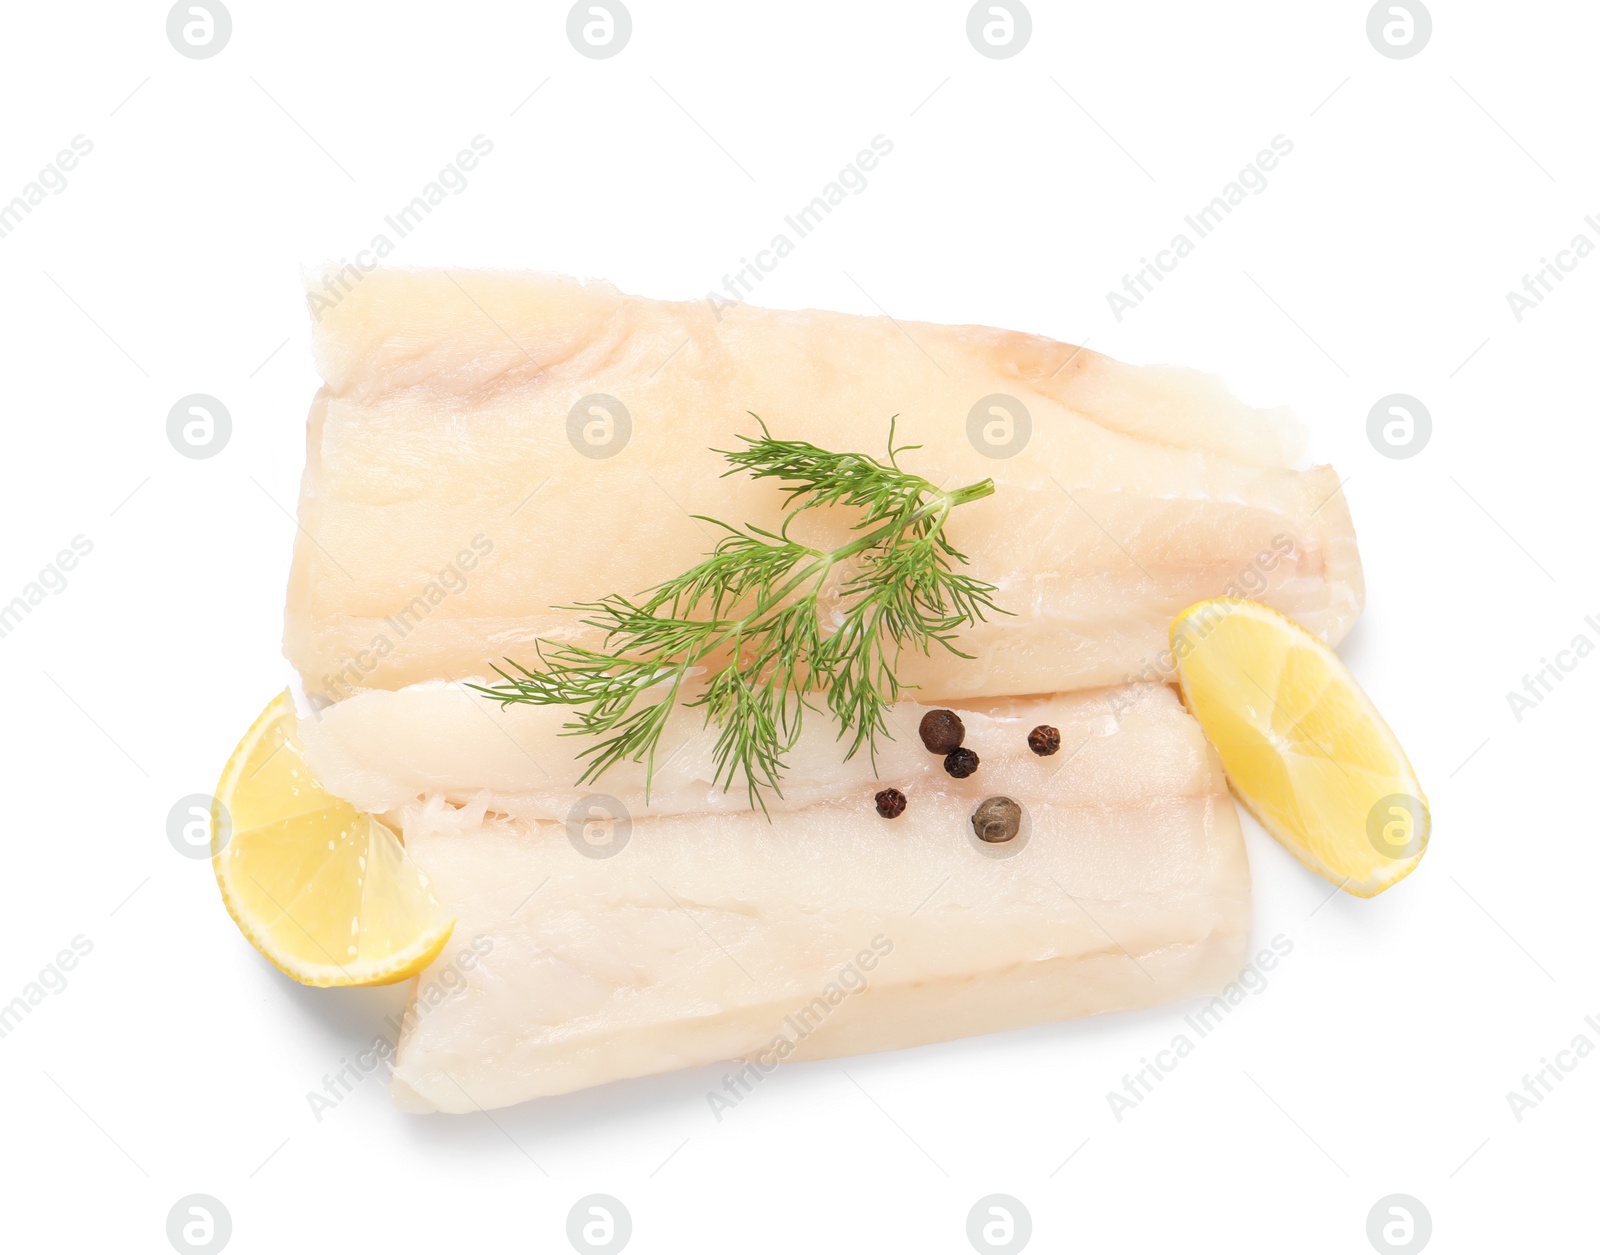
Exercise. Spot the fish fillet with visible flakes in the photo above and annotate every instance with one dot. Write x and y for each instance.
(463, 480)
(710, 934)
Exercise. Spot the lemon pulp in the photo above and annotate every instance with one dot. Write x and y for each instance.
(323, 890)
(1304, 748)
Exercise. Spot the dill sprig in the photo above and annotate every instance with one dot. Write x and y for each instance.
(748, 614)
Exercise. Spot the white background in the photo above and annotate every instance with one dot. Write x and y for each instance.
(1019, 191)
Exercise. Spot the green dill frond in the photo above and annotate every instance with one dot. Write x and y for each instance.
(747, 616)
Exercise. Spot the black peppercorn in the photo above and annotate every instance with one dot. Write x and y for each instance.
(891, 803)
(942, 731)
(997, 819)
(1044, 740)
(961, 763)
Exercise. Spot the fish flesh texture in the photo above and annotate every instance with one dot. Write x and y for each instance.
(712, 933)
(489, 447)
(600, 938)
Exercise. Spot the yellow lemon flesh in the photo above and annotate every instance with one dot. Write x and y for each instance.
(1304, 748)
(322, 889)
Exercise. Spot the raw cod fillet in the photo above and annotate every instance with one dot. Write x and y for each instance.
(445, 511)
(712, 935)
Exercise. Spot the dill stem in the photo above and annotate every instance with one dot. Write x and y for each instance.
(817, 571)
(908, 592)
(941, 505)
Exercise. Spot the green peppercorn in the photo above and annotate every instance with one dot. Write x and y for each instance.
(997, 819)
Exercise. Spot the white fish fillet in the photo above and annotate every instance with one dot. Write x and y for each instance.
(714, 935)
(444, 511)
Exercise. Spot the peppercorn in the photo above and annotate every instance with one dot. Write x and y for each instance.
(942, 731)
(1044, 740)
(891, 803)
(997, 819)
(961, 763)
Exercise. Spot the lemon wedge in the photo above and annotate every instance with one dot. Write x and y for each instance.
(322, 889)
(1304, 748)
